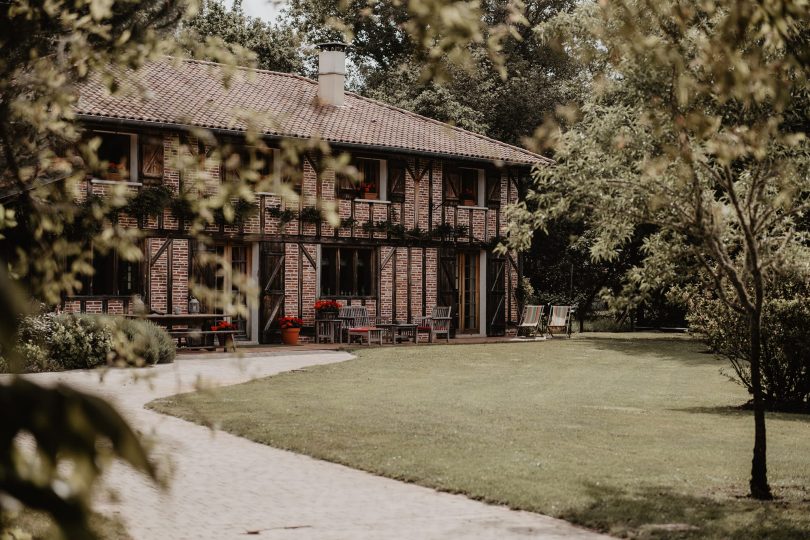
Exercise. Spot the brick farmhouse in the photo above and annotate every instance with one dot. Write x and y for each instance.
(418, 229)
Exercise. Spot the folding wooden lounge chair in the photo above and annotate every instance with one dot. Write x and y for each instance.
(438, 323)
(361, 326)
(559, 320)
(531, 321)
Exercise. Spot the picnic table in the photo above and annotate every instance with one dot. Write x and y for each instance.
(197, 327)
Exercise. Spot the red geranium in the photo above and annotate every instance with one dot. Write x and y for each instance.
(223, 325)
(368, 187)
(327, 305)
(290, 322)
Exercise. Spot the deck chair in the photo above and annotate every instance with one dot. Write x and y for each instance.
(361, 326)
(559, 320)
(437, 324)
(531, 321)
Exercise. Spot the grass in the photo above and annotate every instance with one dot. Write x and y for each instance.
(635, 437)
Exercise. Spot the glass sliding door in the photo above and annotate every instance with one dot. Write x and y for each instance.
(468, 293)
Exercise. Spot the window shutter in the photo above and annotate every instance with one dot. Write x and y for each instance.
(396, 180)
(452, 184)
(493, 188)
(152, 158)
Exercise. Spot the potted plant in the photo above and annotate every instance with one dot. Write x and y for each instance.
(326, 309)
(290, 329)
(369, 190)
(223, 326)
(468, 198)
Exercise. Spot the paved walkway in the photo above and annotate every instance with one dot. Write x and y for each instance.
(225, 487)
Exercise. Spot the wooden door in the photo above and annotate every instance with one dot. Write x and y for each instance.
(271, 296)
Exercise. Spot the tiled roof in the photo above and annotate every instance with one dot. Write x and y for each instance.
(190, 93)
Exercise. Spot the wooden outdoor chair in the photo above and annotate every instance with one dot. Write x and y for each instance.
(361, 326)
(531, 321)
(559, 320)
(438, 323)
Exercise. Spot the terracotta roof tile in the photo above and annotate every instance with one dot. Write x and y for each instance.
(190, 93)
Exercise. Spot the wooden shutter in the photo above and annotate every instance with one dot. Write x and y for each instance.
(452, 184)
(496, 295)
(493, 186)
(396, 180)
(152, 158)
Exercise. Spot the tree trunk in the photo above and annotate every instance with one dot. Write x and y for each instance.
(759, 470)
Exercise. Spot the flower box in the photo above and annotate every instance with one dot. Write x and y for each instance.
(371, 195)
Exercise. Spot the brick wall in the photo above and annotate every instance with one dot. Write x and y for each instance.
(404, 286)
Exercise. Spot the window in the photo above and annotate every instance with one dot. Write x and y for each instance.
(367, 183)
(347, 272)
(243, 161)
(112, 276)
(117, 154)
(293, 175)
(469, 187)
(462, 186)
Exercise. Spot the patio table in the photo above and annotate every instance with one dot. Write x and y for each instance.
(397, 332)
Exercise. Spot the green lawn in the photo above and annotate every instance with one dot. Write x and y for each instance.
(633, 437)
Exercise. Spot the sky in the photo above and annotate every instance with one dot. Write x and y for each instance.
(265, 9)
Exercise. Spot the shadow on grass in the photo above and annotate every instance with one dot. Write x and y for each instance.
(687, 352)
(740, 412)
(659, 513)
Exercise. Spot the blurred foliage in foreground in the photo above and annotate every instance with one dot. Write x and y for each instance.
(58, 441)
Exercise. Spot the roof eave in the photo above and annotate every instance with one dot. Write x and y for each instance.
(123, 122)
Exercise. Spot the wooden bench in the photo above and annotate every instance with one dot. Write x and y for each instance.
(227, 344)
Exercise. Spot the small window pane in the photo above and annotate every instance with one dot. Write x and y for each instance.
(128, 277)
(364, 274)
(469, 185)
(329, 272)
(104, 273)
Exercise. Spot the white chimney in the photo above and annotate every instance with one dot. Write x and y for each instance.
(331, 73)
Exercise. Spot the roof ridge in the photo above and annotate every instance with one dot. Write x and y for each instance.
(246, 68)
(381, 103)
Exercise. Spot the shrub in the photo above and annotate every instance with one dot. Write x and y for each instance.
(785, 368)
(52, 342)
(140, 342)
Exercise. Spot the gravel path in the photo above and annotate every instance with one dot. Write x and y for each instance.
(225, 487)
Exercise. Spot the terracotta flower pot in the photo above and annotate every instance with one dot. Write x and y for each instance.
(370, 195)
(468, 202)
(289, 336)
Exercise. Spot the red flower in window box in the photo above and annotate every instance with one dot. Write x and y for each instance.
(468, 198)
(369, 190)
(290, 322)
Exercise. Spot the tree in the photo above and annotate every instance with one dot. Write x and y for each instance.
(275, 47)
(504, 97)
(696, 127)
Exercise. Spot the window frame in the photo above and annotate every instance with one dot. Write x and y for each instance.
(346, 188)
(134, 158)
(340, 251)
(89, 284)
